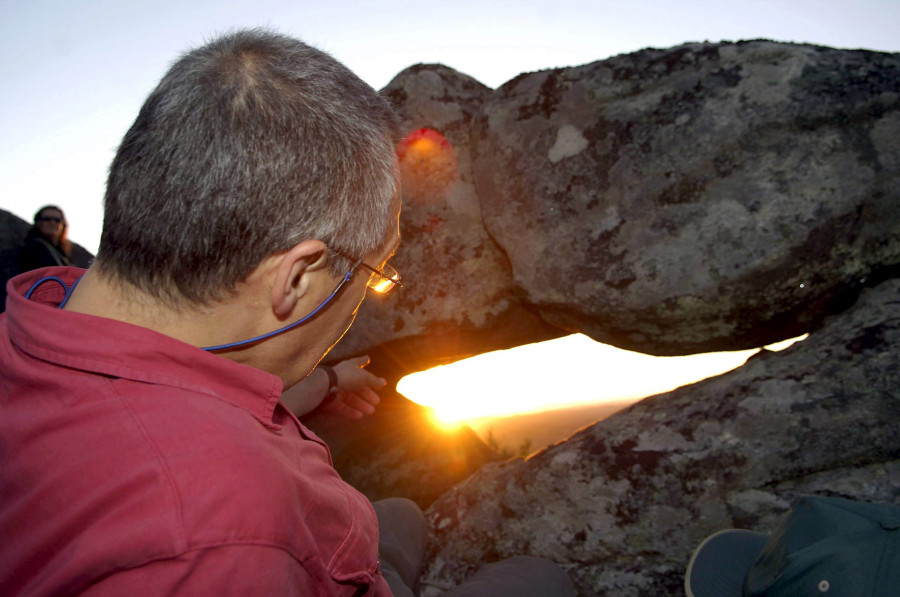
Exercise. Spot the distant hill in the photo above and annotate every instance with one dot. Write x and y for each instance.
(542, 428)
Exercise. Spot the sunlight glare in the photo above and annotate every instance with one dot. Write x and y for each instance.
(562, 373)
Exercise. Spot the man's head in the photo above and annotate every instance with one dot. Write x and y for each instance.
(249, 145)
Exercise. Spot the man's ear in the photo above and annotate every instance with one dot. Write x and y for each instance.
(292, 275)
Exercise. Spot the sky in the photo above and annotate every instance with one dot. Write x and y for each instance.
(75, 72)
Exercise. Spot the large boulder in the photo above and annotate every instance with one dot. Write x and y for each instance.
(700, 198)
(704, 197)
(12, 234)
(458, 297)
(622, 504)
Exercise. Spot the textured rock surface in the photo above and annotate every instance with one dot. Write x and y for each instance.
(670, 201)
(704, 197)
(622, 504)
(457, 300)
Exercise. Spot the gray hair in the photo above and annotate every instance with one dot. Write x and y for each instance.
(249, 145)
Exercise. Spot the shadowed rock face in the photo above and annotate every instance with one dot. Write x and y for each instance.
(458, 299)
(706, 197)
(622, 504)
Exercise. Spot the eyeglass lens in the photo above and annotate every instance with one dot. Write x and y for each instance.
(385, 280)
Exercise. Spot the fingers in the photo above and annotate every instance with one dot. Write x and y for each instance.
(360, 361)
(336, 407)
(364, 406)
(367, 396)
(353, 405)
(373, 381)
(353, 376)
(356, 394)
(353, 365)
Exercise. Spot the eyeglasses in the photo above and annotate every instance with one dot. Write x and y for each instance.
(49, 219)
(384, 283)
(384, 280)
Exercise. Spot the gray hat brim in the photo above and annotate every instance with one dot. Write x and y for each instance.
(720, 565)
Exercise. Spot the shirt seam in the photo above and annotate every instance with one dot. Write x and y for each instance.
(104, 367)
(118, 371)
(346, 543)
(170, 478)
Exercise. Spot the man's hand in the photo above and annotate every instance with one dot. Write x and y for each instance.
(355, 395)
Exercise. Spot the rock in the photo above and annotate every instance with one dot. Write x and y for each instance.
(12, 232)
(621, 505)
(457, 297)
(700, 198)
(705, 197)
(399, 452)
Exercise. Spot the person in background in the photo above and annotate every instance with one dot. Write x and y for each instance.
(146, 446)
(47, 243)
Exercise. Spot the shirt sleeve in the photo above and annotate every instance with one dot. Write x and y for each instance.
(224, 571)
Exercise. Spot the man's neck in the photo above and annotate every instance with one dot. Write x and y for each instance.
(245, 313)
(198, 325)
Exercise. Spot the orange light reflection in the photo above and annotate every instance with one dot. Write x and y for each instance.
(428, 166)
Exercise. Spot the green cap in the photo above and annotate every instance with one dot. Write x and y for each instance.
(825, 547)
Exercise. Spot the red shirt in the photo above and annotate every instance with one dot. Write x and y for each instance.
(134, 464)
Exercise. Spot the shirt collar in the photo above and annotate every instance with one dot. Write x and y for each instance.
(114, 348)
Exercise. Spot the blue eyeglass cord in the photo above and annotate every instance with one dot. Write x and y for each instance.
(67, 289)
(290, 326)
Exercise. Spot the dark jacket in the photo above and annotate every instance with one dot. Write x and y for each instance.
(40, 252)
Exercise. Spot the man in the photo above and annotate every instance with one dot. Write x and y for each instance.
(257, 189)
(147, 447)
